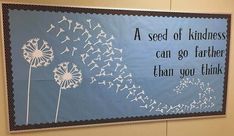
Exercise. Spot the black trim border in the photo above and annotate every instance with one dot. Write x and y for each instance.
(7, 42)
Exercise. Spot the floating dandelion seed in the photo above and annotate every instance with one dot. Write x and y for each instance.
(66, 78)
(36, 57)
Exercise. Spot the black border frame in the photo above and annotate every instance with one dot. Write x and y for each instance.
(7, 45)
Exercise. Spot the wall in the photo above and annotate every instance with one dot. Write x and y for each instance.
(197, 127)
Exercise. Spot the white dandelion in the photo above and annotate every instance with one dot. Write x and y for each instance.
(66, 78)
(36, 56)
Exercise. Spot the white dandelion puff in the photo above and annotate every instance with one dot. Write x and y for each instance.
(66, 78)
(36, 56)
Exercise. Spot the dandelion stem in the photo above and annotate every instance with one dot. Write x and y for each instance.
(58, 103)
(28, 95)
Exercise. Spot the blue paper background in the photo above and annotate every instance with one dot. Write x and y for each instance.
(95, 101)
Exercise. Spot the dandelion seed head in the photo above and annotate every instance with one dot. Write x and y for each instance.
(67, 75)
(37, 55)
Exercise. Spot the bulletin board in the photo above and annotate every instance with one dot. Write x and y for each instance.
(76, 66)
